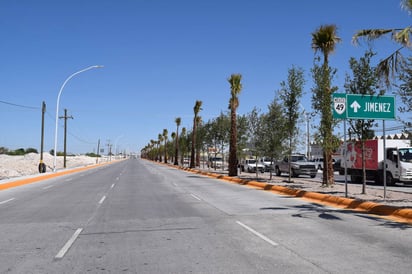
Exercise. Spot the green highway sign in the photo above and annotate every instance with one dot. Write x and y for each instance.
(339, 105)
(358, 106)
(370, 107)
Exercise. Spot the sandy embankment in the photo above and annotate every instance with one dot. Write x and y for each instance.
(17, 166)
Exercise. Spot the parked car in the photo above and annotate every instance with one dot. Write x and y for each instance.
(250, 165)
(267, 163)
(319, 163)
(215, 162)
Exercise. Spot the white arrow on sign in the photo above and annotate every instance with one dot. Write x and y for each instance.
(355, 105)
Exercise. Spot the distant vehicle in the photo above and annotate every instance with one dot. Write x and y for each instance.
(319, 163)
(251, 165)
(299, 166)
(337, 166)
(215, 162)
(268, 163)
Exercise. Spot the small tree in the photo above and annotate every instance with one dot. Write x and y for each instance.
(405, 88)
(290, 94)
(256, 134)
(273, 128)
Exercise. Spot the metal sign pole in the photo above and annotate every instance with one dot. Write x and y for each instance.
(384, 160)
(345, 157)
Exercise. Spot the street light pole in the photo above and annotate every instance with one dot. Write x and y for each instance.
(307, 117)
(57, 110)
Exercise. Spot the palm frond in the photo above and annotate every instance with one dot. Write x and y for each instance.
(370, 34)
(388, 67)
(403, 37)
(407, 5)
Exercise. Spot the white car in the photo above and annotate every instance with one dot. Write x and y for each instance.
(250, 165)
(319, 163)
(215, 162)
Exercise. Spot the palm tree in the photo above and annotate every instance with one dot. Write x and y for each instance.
(235, 88)
(390, 65)
(159, 142)
(196, 109)
(199, 140)
(172, 146)
(324, 40)
(165, 132)
(183, 146)
(178, 120)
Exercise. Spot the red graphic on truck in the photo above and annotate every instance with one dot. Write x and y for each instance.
(354, 155)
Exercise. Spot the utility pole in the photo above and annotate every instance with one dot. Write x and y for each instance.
(65, 117)
(42, 166)
(109, 149)
(98, 148)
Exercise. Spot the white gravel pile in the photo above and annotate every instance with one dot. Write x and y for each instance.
(16, 166)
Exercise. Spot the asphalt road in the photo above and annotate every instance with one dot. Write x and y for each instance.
(139, 217)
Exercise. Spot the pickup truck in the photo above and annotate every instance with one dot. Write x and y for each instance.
(299, 166)
(250, 165)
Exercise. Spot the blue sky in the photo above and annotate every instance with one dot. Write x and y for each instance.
(159, 57)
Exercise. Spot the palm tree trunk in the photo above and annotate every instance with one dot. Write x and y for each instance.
(233, 145)
(192, 154)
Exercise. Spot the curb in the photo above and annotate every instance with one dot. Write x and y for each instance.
(391, 212)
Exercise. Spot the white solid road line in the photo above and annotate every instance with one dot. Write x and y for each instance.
(194, 196)
(102, 200)
(69, 243)
(6, 201)
(263, 237)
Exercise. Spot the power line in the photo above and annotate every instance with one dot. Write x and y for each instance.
(17, 105)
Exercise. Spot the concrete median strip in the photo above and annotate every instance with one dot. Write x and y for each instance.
(390, 212)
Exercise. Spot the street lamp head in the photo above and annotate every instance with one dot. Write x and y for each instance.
(57, 108)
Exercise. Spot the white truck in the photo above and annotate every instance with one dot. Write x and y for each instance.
(398, 161)
(299, 165)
